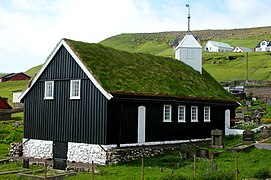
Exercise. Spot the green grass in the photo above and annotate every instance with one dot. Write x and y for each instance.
(8, 133)
(6, 88)
(32, 71)
(171, 165)
(223, 69)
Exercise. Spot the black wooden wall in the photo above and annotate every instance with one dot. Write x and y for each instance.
(122, 127)
(62, 119)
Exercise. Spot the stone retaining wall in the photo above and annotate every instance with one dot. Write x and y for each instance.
(104, 154)
(128, 154)
(262, 92)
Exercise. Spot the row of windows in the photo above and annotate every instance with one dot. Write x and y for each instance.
(74, 89)
(181, 113)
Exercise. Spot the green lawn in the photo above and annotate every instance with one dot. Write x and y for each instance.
(6, 88)
(223, 69)
(170, 166)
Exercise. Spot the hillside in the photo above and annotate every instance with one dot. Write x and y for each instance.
(217, 64)
(7, 88)
(162, 43)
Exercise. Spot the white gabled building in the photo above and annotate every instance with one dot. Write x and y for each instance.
(263, 46)
(189, 51)
(214, 46)
(241, 49)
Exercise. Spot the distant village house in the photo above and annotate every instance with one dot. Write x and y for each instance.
(263, 46)
(214, 46)
(241, 49)
(14, 77)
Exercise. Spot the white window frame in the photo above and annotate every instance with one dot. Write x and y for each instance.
(167, 115)
(207, 117)
(48, 93)
(72, 96)
(179, 111)
(196, 114)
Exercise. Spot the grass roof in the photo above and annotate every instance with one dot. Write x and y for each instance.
(144, 74)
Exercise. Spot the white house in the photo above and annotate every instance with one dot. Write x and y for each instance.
(214, 46)
(241, 49)
(190, 52)
(263, 46)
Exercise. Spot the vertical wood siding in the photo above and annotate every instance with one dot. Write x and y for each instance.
(62, 119)
(123, 121)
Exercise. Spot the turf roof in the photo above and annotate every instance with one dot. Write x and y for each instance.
(144, 74)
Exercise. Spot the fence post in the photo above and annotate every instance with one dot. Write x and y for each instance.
(195, 164)
(236, 171)
(45, 169)
(92, 170)
(142, 168)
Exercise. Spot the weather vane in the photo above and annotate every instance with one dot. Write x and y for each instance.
(187, 5)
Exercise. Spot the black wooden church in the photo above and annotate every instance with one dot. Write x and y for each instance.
(88, 93)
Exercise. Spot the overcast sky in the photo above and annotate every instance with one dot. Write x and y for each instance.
(30, 29)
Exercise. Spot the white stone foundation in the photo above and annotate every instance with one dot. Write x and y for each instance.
(37, 148)
(86, 153)
(102, 154)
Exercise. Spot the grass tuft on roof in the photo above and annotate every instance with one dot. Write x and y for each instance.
(144, 74)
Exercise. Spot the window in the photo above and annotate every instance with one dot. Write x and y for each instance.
(207, 114)
(263, 43)
(194, 113)
(181, 113)
(75, 89)
(49, 90)
(167, 113)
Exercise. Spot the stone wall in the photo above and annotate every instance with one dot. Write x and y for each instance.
(116, 155)
(100, 154)
(37, 148)
(263, 92)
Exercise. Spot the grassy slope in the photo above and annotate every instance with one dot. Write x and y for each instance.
(6, 88)
(32, 71)
(222, 69)
(159, 44)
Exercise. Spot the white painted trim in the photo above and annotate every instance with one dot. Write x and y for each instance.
(45, 90)
(141, 124)
(71, 88)
(204, 118)
(164, 115)
(82, 66)
(181, 120)
(194, 120)
(161, 142)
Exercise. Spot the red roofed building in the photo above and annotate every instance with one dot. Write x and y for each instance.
(14, 77)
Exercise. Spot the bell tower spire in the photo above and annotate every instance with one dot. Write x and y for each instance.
(188, 17)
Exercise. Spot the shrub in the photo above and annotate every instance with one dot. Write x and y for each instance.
(245, 126)
(263, 173)
(266, 121)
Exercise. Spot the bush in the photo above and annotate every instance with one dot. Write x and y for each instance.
(263, 173)
(266, 121)
(245, 126)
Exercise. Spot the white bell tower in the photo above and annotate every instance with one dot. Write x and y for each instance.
(189, 50)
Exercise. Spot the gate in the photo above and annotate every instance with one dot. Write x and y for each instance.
(60, 150)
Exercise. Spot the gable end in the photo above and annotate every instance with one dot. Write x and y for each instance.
(77, 60)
